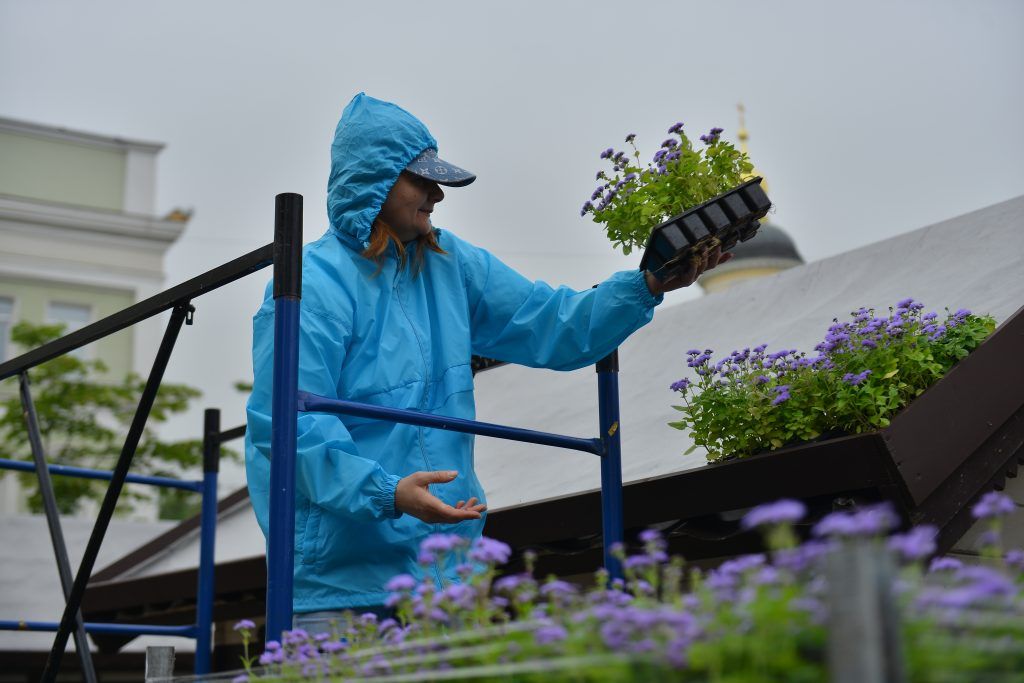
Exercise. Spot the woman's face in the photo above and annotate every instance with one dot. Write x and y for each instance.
(408, 206)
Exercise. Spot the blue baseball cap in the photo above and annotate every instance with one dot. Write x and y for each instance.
(428, 165)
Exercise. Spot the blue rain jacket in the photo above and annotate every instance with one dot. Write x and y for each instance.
(403, 340)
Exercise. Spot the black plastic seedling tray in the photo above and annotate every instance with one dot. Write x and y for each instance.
(723, 221)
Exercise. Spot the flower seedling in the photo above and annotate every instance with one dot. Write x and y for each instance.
(701, 189)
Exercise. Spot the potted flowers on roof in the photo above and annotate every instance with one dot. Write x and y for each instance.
(931, 399)
(864, 372)
(681, 204)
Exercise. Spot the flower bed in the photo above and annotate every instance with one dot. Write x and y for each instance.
(754, 618)
(865, 371)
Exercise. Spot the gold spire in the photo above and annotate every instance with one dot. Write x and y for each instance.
(743, 136)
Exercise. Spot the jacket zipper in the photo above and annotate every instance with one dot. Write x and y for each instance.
(438, 574)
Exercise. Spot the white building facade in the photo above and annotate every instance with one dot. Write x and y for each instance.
(79, 240)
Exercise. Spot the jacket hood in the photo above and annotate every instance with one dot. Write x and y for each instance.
(373, 142)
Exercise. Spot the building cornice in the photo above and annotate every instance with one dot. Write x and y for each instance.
(88, 219)
(8, 125)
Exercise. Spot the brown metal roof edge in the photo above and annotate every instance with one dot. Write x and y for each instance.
(980, 392)
(160, 543)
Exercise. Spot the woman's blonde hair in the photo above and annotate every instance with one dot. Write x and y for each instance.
(381, 235)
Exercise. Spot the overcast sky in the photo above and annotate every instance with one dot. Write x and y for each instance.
(868, 119)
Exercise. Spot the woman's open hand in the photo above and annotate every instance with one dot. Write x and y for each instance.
(413, 497)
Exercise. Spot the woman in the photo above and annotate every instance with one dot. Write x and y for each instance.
(392, 311)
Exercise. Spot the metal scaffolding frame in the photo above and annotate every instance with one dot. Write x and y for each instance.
(285, 252)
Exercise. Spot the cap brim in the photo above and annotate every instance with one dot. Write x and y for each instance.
(428, 165)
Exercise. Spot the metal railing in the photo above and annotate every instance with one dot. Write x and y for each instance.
(178, 300)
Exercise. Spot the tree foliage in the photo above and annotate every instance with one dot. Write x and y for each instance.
(84, 416)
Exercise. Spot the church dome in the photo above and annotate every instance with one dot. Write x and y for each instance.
(771, 241)
(770, 251)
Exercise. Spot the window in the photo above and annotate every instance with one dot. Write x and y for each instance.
(6, 322)
(73, 316)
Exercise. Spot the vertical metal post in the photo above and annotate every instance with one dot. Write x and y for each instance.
(60, 551)
(124, 461)
(287, 297)
(611, 460)
(864, 644)
(159, 663)
(207, 538)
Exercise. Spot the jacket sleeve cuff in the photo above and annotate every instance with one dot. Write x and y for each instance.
(647, 299)
(385, 499)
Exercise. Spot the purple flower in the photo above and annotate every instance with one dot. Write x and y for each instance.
(945, 564)
(681, 385)
(868, 521)
(457, 594)
(437, 544)
(558, 588)
(272, 646)
(550, 633)
(295, 636)
(916, 544)
(631, 137)
(245, 625)
(490, 551)
(962, 313)
(1015, 559)
(641, 561)
(333, 646)
(783, 511)
(783, 394)
(669, 144)
(615, 634)
(802, 557)
(855, 380)
(905, 303)
(402, 582)
(676, 127)
(868, 344)
(607, 154)
(993, 504)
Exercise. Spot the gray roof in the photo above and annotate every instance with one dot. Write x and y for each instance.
(30, 587)
(972, 261)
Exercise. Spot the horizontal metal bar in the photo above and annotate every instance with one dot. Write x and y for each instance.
(313, 403)
(189, 631)
(158, 303)
(231, 434)
(83, 473)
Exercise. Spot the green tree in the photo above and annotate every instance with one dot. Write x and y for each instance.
(84, 417)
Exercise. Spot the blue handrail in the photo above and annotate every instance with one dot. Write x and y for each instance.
(84, 473)
(188, 631)
(312, 403)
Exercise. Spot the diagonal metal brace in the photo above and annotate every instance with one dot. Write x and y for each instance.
(60, 550)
